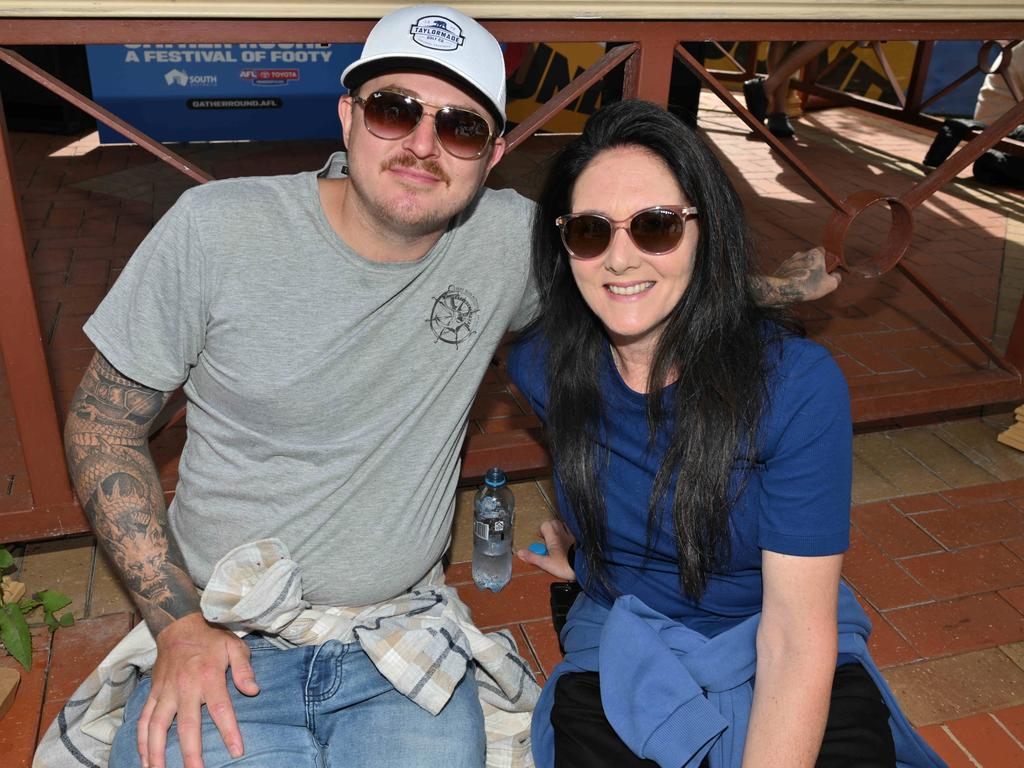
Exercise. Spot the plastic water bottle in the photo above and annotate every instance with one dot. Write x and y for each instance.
(493, 518)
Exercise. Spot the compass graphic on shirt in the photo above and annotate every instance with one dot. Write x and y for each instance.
(453, 314)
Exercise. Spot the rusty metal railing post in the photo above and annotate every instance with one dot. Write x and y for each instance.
(21, 342)
(919, 75)
(649, 71)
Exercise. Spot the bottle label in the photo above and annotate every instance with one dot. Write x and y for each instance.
(489, 529)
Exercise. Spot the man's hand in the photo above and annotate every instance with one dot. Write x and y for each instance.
(558, 539)
(801, 277)
(192, 658)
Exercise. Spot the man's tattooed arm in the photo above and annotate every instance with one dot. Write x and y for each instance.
(801, 277)
(106, 437)
(106, 441)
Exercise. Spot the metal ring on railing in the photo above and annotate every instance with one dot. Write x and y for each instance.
(900, 234)
(1002, 60)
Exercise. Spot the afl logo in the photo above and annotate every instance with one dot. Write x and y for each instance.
(453, 315)
(437, 33)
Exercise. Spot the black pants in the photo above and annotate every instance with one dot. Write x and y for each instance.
(857, 733)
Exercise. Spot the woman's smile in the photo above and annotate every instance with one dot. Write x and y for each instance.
(630, 289)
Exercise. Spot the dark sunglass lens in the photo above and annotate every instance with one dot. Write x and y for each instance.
(391, 115)
(587, 236)
(656, 231)
(463, 133)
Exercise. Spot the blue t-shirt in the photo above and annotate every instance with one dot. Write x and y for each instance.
(796, 500)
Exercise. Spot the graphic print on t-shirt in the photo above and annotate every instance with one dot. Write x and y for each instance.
(452, 316)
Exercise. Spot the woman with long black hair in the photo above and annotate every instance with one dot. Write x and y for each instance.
(702, 457)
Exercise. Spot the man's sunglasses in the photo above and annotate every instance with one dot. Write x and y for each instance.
(390, 115)
(654, 230)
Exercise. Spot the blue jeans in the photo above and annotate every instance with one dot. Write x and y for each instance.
(327, 706)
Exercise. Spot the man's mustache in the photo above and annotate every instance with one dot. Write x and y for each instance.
(408, 161)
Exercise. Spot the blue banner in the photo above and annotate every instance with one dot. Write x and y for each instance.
(229, 91)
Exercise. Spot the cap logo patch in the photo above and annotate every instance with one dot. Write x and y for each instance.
(437, 33)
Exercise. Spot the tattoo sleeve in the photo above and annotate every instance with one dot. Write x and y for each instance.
(804, 276)
(773, 292)
(106, 441)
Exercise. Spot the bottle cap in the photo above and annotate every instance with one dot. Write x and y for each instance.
(495, 477)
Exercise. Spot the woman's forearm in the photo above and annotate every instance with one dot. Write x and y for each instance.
(792, 689)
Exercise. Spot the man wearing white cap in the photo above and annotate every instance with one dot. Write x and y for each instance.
(330, 331)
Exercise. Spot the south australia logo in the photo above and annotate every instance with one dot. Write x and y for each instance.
(437, 33)
(453, 316)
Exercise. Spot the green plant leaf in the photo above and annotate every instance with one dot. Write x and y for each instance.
(51, 622)
(6, 558)
(27, 605)
(67, 619)
(52, 600)
(14, 632)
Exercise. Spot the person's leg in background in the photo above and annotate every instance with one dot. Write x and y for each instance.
(778, 97)
(684, 88)
(766, 97)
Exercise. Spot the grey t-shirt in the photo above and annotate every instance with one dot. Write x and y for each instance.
(328, 395)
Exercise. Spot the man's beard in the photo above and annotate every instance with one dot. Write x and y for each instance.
(411, 221)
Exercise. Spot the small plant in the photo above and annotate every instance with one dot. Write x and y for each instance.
(15, 606)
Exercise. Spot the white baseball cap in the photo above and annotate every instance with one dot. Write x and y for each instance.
(437, 39)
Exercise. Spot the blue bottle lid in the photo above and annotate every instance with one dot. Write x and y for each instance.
(495, 477)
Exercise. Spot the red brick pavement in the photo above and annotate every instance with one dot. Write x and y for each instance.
(949, 657)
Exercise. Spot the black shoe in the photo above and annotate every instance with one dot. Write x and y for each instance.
(952, 132)
(779, 125)
(998, 169)
(757, 99)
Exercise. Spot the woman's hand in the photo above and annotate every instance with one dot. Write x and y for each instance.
(558, 539)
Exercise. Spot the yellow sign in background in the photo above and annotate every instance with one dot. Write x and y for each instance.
(546, 68)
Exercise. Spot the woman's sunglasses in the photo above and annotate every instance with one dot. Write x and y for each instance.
(654, 230)
(390, 115)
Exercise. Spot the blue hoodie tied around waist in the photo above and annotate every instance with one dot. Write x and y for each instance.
(673, 695)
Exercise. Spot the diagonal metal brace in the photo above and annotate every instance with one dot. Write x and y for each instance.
(567, 95)
(87, 105)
